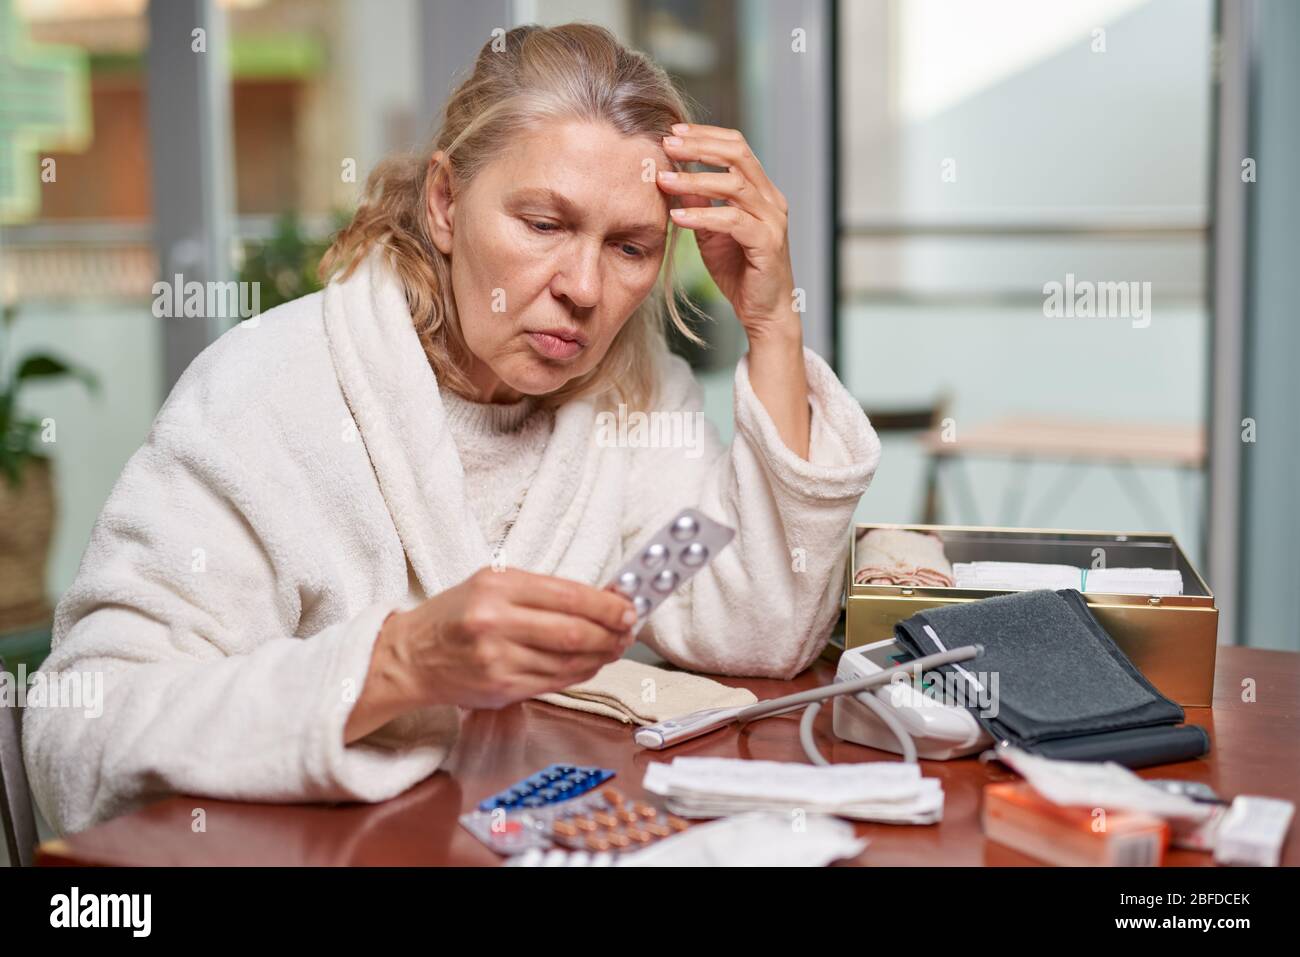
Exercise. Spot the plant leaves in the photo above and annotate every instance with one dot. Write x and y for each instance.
(52, 367)
(17, 447)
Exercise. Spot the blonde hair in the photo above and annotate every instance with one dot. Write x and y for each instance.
(531, 75)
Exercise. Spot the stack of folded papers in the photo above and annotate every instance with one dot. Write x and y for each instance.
(889, 792)
(1026, 576)
(1016, 575)
(1135, 581)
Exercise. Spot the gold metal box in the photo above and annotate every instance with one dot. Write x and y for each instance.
(1171, 639)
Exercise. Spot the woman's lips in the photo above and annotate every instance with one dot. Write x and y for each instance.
(553, 347)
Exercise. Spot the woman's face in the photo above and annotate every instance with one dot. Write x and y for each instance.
(565, 235)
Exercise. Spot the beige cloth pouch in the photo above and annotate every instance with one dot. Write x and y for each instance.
(641, 694)
(898, 556)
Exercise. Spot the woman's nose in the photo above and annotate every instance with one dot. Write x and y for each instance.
(579, 277)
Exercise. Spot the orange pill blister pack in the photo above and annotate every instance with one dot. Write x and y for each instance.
(608, 822)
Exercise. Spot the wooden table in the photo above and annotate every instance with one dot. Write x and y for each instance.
(1256, 750)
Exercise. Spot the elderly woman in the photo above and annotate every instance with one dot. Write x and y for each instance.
(392, 500)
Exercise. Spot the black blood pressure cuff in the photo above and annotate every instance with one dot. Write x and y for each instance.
(1051, 681)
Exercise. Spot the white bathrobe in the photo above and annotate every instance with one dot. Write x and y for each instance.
(299, 484)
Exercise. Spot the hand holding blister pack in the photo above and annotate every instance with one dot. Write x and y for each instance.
(668, 560)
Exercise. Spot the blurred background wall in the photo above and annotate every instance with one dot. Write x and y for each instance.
(944, 161)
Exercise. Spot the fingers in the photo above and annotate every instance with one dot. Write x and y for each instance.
(706, 129)
(562, 634)
(547, 592)
(753, 234)
(525, 634)
(696, 189)
(539, 671)
(722, 147)
(756, 215)
(525, 673)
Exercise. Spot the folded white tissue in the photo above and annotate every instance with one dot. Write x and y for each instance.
(1135, 581)
(1025, 576)
(755, 839)
(888, 792)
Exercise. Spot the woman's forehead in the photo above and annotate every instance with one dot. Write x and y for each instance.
(584, 171)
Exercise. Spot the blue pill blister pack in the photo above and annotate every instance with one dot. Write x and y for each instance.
(519, 817)
(553, 784)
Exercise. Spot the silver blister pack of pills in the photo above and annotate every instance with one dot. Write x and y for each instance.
(679, 550)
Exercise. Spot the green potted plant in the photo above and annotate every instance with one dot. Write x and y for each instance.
(27, 505)
(284, 265)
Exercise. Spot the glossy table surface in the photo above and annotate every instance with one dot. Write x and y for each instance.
(1256, 750)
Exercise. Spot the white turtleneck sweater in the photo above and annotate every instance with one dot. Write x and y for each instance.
(500, 448)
